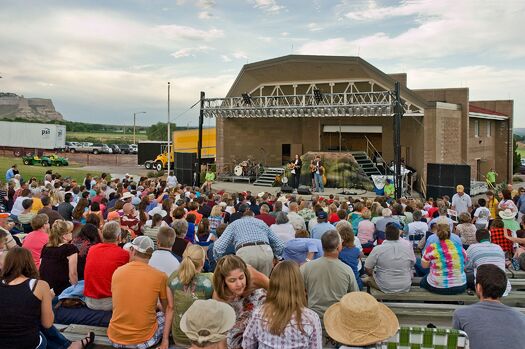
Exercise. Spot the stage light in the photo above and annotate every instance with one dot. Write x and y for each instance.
(247, 99)
(318, 96)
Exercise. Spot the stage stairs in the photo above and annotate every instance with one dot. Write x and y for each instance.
(268, 177)
(366, 164)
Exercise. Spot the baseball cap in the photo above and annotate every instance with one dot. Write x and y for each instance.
(322, 214)
(142, 244)
(207, 321)
(243, 207)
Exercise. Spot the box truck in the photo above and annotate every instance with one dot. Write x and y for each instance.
(25, 138)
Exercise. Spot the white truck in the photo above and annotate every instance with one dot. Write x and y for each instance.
(26, 138)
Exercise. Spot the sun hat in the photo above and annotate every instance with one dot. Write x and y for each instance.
(207, 321)
(507, 214)
(460, 188)
(157, 210)
(127, 195)
(142, 244)
(261, 194)
(359, 320)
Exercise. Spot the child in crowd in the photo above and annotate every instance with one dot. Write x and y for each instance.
(481, 215)
(350, 254)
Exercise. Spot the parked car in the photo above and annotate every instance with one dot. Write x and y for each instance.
(133, 149)
(124, 148)
(87, 147)
(115, 148)
(101, 148)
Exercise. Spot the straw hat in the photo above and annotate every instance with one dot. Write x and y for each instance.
(507, 214)
(157, 210)
(359, 320)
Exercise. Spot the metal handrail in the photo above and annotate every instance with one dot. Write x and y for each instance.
(370, 146)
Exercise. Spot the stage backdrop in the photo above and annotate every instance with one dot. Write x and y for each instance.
(341, 170)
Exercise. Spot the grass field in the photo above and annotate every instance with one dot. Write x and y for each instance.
(521, 149)
(105, 137)
(39, 171)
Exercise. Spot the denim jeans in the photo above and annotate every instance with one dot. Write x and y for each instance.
(55, 339)
(445, 291)
(420, 271)
(319, 182)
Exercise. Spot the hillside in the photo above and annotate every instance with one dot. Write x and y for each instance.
(519, 131)
(13, 106)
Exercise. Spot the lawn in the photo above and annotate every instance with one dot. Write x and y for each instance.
(521, 149)
(105, 137)
(39, 171)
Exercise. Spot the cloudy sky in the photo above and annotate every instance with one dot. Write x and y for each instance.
(100, 61)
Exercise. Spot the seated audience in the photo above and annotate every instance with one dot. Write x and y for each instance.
(490, 324)
(188, 284)
(284, 319)
(243, 288)
(302, 249)
(25, 305)
(446, 259)
(265, 215)
(87, 237)
(207, 324)
(327, 279)
(389, 265)
(322, 225)
(163, 257)
(283, 228)
(350, 254)
(38, 238)
(466, 230)
(181, 228)
(136, 323)
(366, 229)
(59, 258)
(101, 262)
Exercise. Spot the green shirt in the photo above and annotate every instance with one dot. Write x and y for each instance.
(201, 287)
(390, 189)
(491, 176)
(210, 176)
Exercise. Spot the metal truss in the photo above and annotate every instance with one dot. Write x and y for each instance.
(310, 103)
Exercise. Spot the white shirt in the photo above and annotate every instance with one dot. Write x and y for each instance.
(285, 232)
(296, 220)
(482, 215)
(171, 181)
(164, 261)
(461, 203)
(17, 206)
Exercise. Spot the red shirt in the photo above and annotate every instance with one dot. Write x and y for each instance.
(35, 242)
(101, 262)
(197, 215)
(266, 218)
(333, 218)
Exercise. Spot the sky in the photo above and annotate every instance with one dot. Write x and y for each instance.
(101, 61)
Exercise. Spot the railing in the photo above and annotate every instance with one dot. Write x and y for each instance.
(370, 148)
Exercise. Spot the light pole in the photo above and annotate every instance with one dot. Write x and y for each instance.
(135, 122)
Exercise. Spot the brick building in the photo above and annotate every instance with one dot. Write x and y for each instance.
(297, 104)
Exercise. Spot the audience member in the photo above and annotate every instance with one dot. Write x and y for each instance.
(163, 257)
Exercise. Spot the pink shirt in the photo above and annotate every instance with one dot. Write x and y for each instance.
(35, 242)
(365, 231)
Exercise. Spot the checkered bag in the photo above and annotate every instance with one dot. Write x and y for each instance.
(427, 338)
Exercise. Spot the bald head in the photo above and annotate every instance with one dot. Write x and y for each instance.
(128, 208)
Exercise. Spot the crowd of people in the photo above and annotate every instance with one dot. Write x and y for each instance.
(167, 263)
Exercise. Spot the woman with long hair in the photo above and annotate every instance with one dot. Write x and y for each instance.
(215, 218)
(204, 237)
(25, 305)
(152, 229)
(284, 321)
(88, 236)
(59, 258)
(78, 211)
(188, 284)
(243, 288)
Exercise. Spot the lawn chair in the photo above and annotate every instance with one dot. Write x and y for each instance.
(427, 338)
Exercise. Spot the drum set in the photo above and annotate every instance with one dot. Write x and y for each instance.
(247, 168)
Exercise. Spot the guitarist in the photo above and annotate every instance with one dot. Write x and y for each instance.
(318, 175)
(295, 167)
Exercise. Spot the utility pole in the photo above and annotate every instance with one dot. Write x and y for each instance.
(135, 124)
(199, 144)
(398, 114)
(169, 131)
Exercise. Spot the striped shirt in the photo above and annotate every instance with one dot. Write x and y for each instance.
(447, 263)
(486, 253)
(247, 230)
(258, 336)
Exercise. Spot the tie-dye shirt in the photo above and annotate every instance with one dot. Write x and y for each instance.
(447, 263)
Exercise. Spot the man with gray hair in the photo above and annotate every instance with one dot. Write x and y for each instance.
(294, 218)
(327, 279)
(265, 215)
(181, 228)
(101, 262)
(386, 218)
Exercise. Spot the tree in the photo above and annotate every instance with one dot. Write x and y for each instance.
(159, 131)
(516, 160)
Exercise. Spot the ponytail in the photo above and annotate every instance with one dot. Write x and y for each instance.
(192, 258)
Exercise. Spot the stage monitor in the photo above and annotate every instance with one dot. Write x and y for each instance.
(443, 178)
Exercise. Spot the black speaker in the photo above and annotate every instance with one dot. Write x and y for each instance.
(443, 178)
(285, 188)
(304, 190)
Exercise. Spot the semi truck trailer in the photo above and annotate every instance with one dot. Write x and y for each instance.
(25, 138)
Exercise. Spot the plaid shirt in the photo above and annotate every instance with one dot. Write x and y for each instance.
(497, 236)
(257, 335)
(246, 230)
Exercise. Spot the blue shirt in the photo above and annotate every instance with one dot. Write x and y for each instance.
(350, 257)
(320, 228)
(245, 230)
(434, 238)
(297, 249)
(9, 175)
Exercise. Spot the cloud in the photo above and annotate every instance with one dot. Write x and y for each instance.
(174, 31)
(205, 4)
(314, 27)
(436, 32)
(240, 55)
(190, 51)
(270, 6)
(225, 58)
(205, 15)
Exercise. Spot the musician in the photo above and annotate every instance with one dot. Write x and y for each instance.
(312, 173)
(295, 166)
(318, 175)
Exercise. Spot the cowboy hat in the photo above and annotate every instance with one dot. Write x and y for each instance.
(359, 320)
(507, 214)
(127, 195)
(158, 210)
